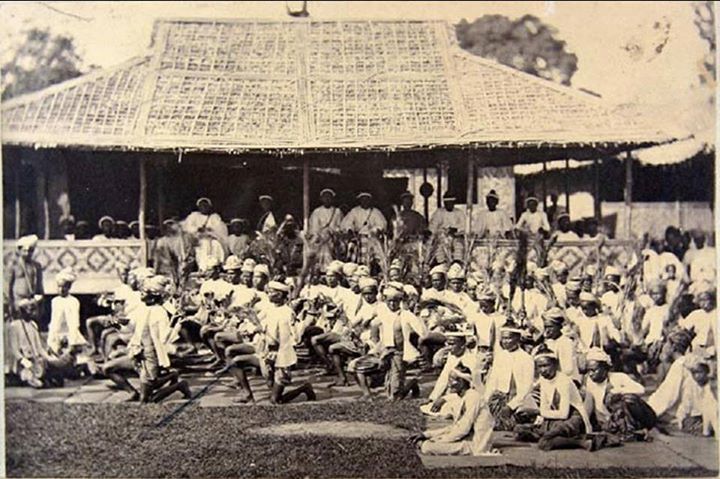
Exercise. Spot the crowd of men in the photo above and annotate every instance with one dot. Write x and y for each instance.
(589, 358)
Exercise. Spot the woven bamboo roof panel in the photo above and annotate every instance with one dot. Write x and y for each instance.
(234, 85)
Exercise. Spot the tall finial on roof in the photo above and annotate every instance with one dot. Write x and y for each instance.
(297, 13)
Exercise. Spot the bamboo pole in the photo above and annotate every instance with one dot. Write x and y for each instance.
(142, 201)
(426, 203)
(46, 208)
(306, 193)
(628, 194)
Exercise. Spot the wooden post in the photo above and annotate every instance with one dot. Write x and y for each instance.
(426, 203)
(18, 218)
(439, 186)
(544, 186)
(142, 201)
(628, 194)
(160, 181)
(306, 193)
(567, 186)
(596, 190)
(46, 208)
(469, 193)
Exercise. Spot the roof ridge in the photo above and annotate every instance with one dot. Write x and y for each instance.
(71, 83)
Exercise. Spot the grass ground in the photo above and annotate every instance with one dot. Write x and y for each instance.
(110, 440)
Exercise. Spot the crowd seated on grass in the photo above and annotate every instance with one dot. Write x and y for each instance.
(589, 358)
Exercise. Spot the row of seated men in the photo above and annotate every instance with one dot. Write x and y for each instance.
(584, 361)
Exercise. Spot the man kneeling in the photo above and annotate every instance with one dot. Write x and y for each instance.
(472, 427)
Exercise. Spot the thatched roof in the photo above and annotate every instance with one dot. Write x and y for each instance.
(235, 85)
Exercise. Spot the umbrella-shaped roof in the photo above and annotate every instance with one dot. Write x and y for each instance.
(237, 85)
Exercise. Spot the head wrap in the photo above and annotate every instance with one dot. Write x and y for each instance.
(407, 194)
(531, 198)
(456, 272)
(348, 269)
(597, 355)
(485, 293)
(563, 214)
(364, 193)
(396, 264)
(449, 196)
(588, 297)
(278, 286)
(200, 200)
(543, 351)
(261, 269)
(335, 267)
(439, 269)
(554, 315)
(362, 271)
(410, 290)
(541, 273)
(367, 284)
(573, 286)
(392, 291)
(134, 223)
(26, 242)
(65, 275)
(492, 194)
(511, 327)
(232, 263)
(265, 197)
(248, 266)
(612, 271)
(328, 191)
(590, 270)
(155, 285)
(104, 219)
(558, 267)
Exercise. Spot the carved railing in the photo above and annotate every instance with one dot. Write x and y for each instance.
(93, 261)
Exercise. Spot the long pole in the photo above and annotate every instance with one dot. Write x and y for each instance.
(426, 203)
(17, 200)
(596, 190)
(306, 193)
(142, 201)
(628, 193)
(544, 186)
(567, 186)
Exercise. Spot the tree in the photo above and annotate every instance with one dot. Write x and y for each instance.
(705, 23)
(41, 59)
(526, 44)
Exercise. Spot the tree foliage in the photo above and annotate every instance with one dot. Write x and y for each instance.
(526, 44)
(41, 59)
(705, 23)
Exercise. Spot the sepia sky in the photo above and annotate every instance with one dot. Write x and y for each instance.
(615, 41)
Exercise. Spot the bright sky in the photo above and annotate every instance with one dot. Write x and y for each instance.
(108, 33)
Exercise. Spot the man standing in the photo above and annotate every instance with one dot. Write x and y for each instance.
(24, 274)
(204, 218)
(495, 223)
(412, 223)
(174, 253)
(323, 225)
(533, 221)
(267, 221)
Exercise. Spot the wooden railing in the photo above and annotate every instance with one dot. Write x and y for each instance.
(93, 261)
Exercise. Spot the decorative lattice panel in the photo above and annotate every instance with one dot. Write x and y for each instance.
(93, 261)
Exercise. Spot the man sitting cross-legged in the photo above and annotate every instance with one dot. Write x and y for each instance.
(442, 401)
(472, 426)
(613, 401)
(562, 421)
(275, 355)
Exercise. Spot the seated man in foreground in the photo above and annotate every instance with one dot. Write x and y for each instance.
(472, 427)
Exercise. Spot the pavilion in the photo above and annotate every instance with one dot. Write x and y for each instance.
(237, 106)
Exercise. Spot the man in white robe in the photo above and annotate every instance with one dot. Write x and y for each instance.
(323, 225)
(367, 222)
(204, 218)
